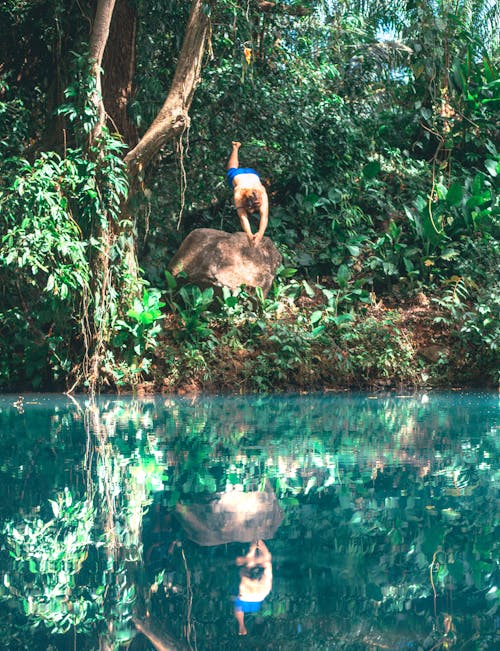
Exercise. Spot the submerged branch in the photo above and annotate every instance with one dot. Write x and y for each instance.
(161, 641)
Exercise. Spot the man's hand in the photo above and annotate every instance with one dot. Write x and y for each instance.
(236, 144)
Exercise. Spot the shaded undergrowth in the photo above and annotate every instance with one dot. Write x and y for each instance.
(302, 338)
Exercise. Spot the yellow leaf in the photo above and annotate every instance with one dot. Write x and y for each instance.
(248, 54)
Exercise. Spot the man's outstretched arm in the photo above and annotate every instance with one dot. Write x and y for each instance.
(245, 225)
(264, 218)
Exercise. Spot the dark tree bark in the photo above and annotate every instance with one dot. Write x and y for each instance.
(119, 69)
(171, 121)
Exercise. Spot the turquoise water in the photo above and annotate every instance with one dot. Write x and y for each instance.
(380, 513)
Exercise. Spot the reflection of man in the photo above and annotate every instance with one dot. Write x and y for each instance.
(256, 580)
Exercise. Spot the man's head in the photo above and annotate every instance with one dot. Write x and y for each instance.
(254, 572)
(252, 200)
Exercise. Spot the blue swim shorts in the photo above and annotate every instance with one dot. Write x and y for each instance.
(234, 171)
(247, 606)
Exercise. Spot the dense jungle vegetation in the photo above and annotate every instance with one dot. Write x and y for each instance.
(375, 127)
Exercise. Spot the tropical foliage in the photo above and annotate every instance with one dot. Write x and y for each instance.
(375, 127)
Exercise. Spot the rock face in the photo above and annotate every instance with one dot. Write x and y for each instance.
(212, 258)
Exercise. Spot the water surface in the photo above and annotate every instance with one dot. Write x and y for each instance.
(380, 513)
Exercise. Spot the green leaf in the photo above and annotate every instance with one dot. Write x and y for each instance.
(421, 203)
(478, 183)
(287, 272)
(353, 249)
(171, 280)
(433, 538)
(449, 254)
(426, 113)
(371, 169)
(316, 316)
(146, 317)
(208, 294)
(313, 200)
(334, 195)
(343, 318)
(55, 508)
(133, 314)
(489, 72)
(454, 194)
(409, 266)
(343, 275)
(459, 76)
(317, 331)
(309, 290)
(440, 190)
(492, 166)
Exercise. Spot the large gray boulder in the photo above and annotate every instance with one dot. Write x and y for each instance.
(212, 258)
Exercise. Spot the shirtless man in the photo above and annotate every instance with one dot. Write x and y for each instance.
(250, 195)
(256, 580)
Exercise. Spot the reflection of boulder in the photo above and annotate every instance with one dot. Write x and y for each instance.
(232, 517)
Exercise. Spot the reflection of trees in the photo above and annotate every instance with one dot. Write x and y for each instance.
(378, 493)
(47, 557)
(352, 418)
(49, 573)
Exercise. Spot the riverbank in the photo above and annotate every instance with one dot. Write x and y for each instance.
(303, 344)
(300, 338)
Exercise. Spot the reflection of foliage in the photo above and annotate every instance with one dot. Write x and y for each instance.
(126, 474)
(47, 557)
(380, 493)
(233, 443)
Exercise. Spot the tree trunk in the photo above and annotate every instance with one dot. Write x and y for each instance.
(119, 67)
(173, 117)
(98, 39)
(172, 120)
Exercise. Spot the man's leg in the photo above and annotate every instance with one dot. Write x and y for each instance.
(233, 158)
(240, 618)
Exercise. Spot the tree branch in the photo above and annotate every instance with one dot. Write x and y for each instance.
(292, 10)
(173, 117)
